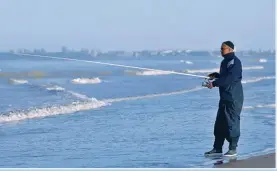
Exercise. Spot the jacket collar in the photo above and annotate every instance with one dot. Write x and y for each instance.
(229, 55)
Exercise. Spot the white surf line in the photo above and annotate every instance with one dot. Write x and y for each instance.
(51, 111)
(111, 64)
(177, 92)
(257, 79)
(260, 106)
(152, 95)
(93, 103)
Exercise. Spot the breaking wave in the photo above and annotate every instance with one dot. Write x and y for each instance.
(253, 68)
(253, 80)
(51, 111)
(153, 72)
(79, 96)
(17, 81)
(86, 80)
(260, 106)
(217, 69)
(55, 88)
(187, 62)
(72, 93)
(262, 60)
(160, 72)
(148, 72)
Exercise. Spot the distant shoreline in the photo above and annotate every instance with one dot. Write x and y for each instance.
(262, 161)
(137, 54)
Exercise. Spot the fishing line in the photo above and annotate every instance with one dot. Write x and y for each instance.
(112, 64)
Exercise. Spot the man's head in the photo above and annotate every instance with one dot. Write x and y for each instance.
(227, 47)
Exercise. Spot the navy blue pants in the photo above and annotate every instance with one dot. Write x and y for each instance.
(227, 124)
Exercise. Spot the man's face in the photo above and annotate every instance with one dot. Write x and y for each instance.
(225, 49)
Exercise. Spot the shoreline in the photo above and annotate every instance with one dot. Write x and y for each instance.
(261, 161)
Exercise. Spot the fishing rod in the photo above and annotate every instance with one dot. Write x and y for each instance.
(118, 65)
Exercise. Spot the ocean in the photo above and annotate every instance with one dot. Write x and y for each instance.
(60, 113)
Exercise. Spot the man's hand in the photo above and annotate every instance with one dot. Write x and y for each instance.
(210, 85)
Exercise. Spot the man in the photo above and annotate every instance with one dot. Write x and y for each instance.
(227, 124)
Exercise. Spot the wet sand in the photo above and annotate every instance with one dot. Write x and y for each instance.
(263, 161)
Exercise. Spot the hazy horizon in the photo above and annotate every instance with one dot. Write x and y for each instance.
(137, 25)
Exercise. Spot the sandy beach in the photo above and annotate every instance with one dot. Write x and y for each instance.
(263, 161)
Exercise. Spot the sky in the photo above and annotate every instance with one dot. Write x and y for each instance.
(136, 24)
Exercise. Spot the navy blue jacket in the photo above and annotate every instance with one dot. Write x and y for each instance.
(229, 79)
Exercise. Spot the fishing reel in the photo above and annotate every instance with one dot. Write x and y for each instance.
(206, 82)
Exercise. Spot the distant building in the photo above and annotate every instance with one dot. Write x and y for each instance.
(64, 49)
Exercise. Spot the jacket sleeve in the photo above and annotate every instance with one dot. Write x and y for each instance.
(233, 74)
(217, 75)
(214, 74)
